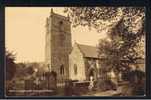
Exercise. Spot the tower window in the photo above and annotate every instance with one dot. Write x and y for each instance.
(61, 26)
(75, 69)
(61, 22)
(62, 70)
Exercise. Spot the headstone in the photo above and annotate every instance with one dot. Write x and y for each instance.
(91, 83)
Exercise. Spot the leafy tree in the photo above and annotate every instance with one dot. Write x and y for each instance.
(122, 49)
(102, 18)
(125, 29)
(10, 65)
(10, 71)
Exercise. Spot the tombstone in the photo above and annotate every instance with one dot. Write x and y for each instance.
(91, 85)
(68, 89)
(29, 85)
(51, 80)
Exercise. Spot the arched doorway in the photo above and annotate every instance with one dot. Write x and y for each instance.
(92, 72)
(62, 74)
(62, 69)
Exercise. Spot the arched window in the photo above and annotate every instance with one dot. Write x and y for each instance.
(75, 69)
(62, 70)
(48, 67)
(60, 26)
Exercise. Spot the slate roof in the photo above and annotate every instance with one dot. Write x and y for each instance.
(92, 52)
(88, 51)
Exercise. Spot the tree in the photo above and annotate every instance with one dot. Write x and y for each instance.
(10, 71)
(102, 18)
(125, 27)
(10, 65)
(125, 30)
(123, 48)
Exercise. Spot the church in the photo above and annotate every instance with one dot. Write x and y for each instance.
(78, 62)
(84, 62)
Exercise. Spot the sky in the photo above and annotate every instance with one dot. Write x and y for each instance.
(25, 32)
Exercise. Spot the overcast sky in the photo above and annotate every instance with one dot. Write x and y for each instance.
(25, 32)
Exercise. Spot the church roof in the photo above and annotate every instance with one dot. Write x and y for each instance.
(88, 51)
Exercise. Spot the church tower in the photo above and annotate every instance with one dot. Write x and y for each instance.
(58, 45)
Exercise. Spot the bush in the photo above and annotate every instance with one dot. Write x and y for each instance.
(136, 84)
(104, 85)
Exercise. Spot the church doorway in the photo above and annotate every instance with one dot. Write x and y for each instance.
(92, 73)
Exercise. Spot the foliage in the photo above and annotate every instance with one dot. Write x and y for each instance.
(125, 42)
(136, 86)
(102, 18)
(10, 65)
(125, 29)
(125, 47)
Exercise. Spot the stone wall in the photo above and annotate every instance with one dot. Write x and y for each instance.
(76, 58)
(58, 45)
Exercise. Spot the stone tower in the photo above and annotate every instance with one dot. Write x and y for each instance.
(58, 45)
